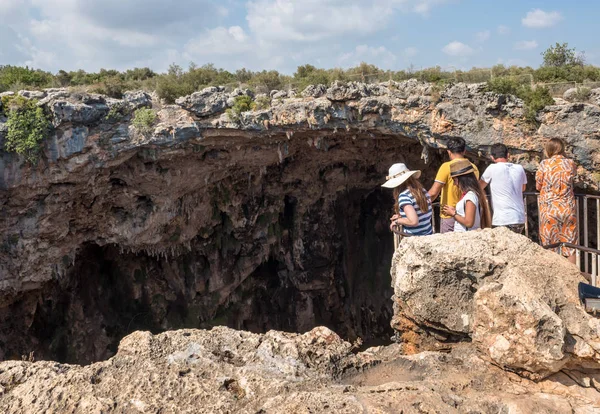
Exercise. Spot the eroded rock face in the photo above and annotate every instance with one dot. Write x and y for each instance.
(205, 221)
(517, 302)
(224, 370)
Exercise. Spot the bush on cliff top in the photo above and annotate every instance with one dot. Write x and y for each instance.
(27, 126)
(241, 104)
(143, 120)
(535, 99)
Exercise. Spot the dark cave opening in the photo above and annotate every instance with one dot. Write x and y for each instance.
(343, 284)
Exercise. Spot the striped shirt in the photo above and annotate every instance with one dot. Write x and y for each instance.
(424, 227)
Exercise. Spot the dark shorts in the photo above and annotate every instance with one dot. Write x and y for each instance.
(517, 228)
(446, 225)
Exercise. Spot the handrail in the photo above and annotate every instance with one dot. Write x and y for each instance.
(594, 254)
(591, 196)
(572, 246)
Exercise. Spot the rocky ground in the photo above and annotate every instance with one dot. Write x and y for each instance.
(499, 311)
(223, 370)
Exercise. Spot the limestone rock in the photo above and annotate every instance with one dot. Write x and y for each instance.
(138, 99)
(515, 300)
(88, 110)
(223, 370)
(314, 91)
(200, 195)
(340, 91)
(570, 94)
(209, 101)
(33, 94)
(278, 94)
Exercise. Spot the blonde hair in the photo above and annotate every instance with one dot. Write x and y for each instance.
(555, 146)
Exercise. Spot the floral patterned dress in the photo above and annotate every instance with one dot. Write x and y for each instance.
(557, 206)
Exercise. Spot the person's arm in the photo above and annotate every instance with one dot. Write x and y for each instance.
(442, 177)
(524, 179)
(435, 190)
(539, 178)
(412, 218)
(470, 213)
(486, 177)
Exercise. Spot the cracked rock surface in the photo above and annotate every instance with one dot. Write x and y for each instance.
(223, 370)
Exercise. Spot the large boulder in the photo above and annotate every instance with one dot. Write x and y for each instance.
(516, 301)
(209, 101)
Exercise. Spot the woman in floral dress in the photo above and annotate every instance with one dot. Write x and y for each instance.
(557, 206)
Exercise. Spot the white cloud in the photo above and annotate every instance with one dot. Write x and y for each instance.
(526, 45)
(539, 19)
(280, 34)
(483, 36)
(503, 30)
(410, 52)
(379, 56)
(315, 20)
(218, 41)
(457, 49)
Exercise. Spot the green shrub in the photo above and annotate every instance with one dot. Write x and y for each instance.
(143, 120)
(503, 85)
(27, 126)
(241, 104)
(262, 102)
(535, 100)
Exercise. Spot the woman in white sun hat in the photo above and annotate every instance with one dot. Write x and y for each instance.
(413, 205)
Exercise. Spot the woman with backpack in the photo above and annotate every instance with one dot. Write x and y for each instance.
(412, 205)
(472, 211)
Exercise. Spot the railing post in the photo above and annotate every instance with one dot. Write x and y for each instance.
(577, 252)
(526, 216)
(585, 232)
(594, 268)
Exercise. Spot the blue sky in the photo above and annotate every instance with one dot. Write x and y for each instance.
(282, 34)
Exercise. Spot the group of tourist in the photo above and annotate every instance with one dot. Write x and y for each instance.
(464, 204)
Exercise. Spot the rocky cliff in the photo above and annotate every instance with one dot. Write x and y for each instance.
(275, 220)
(514, 300)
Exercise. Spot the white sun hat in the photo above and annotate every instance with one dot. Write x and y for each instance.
(399, 173)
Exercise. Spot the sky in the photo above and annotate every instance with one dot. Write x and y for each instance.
(284, 34)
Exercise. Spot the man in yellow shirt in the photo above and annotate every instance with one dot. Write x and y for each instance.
(443, 183)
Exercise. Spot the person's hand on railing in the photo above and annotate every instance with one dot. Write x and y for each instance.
(393, 225)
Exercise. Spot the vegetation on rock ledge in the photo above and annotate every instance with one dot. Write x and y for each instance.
(241, 104)
(27, 126)
(143, 120)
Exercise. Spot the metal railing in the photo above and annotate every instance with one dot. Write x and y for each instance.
(594, 254)
(587, 257)
(590, 263)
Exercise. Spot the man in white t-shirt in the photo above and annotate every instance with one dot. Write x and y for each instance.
(507, 182)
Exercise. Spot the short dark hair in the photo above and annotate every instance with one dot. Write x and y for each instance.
(456, 145)
(499, 151)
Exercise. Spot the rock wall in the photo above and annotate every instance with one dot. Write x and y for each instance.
(516, 302)
(275, 221)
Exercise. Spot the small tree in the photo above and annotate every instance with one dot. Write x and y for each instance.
(561, 55)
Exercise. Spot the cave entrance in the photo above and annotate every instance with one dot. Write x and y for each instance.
(293, 244)
(108, 293)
